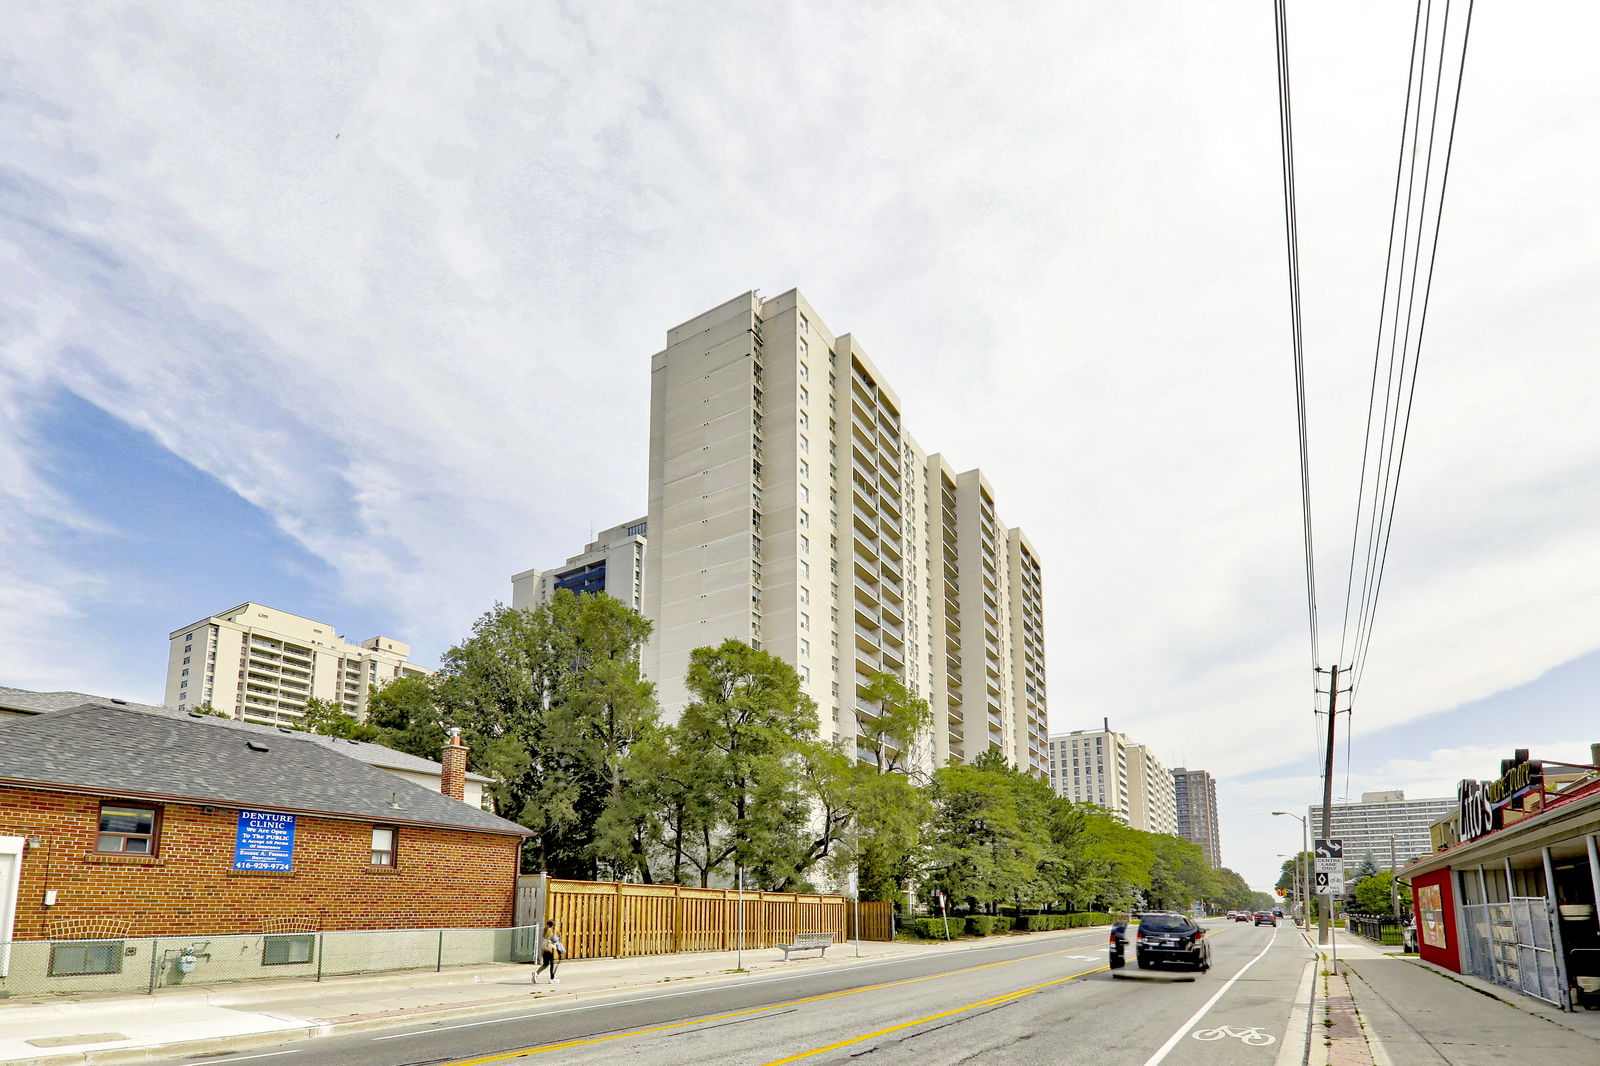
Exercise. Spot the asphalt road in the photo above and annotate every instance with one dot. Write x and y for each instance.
(1021, 1001)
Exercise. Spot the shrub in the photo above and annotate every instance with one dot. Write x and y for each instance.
(933, 928)
(1037, 923)
(980, 925)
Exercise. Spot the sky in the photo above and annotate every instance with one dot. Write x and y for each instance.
(349, 308)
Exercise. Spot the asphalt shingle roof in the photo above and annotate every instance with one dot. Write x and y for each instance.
(128, 751)
(22, 699)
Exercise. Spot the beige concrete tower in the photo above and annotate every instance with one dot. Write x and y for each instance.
(789, 506)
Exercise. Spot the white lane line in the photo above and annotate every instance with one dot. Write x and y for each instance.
(650, 999)
(264, 1055)
(1183, 1030)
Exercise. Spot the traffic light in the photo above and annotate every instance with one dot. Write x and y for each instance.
(1283, 893)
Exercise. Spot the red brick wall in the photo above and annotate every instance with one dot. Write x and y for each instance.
(442, 877)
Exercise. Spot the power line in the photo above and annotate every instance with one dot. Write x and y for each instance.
(1292, 248)
(1377, 348)
(1427, 292)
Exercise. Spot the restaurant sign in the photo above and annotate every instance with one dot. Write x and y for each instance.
(1482, 805)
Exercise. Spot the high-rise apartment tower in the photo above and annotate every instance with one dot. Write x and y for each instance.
(1152, 802)
(1196, 792)
(790, 507)
(612, 563)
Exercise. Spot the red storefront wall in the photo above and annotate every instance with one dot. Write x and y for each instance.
(1434, 904)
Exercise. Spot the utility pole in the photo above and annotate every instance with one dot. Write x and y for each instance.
(1394, 888)
(1325, 919)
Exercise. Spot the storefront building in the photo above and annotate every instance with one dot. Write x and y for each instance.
(1509, 893)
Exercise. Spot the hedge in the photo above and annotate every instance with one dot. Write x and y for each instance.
(1034, 923)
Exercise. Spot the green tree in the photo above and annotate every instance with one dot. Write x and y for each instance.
(406, 717)
(984, 846)
(892, 816)
(599, 710)
(880, 812)
(1179, 874)
(331, 720)
(551, 704)
(1117, 862)
(206, 708)
(891, 734)
(743, 737)
(1364, 869)
(1373, 894)
(1286, 873)
(1229, 892)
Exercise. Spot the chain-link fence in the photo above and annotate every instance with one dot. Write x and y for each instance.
(146, 964)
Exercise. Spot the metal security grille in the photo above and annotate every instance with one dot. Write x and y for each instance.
(1513, 944)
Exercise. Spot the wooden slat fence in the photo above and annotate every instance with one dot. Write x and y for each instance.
(615, 919)
(877, 921)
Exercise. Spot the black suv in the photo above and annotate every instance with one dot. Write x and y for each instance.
(1162, 936)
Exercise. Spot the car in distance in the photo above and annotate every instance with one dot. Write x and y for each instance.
(1266, 918)
(1162, 937)
(1239, 916)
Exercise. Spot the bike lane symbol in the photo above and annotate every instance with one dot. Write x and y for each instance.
(1246, 1034)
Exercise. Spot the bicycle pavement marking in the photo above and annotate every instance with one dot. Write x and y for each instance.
(1183, 1030)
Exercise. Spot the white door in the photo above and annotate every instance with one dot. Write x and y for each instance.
(10, 875)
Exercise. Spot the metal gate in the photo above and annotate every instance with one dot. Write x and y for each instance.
(529, 916)
(1513, 944)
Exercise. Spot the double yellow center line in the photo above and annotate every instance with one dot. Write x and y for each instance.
(995, 1001)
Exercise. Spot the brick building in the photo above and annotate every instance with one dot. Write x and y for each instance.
(117, 822)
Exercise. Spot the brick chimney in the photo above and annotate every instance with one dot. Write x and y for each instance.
(453, 776)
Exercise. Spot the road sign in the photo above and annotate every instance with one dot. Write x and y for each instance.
(1329, 848)
(1328, 883)
(1328, 866)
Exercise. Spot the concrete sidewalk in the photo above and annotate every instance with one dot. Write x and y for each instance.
(1382, 1008)
(201, 1020)
(1418, 1014)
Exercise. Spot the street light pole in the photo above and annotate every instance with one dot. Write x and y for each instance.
(1302, 875)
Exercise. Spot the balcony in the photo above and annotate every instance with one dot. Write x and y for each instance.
(867, 638)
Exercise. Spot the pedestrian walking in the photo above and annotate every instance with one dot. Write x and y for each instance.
(550, 951)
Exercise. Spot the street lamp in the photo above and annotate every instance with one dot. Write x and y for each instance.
(1304, 876)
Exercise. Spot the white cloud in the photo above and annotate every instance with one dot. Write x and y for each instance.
(394, 277)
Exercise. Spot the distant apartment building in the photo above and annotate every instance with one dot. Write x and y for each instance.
(1091, 766)
(261, 664)
(613, 563)
(790, 507)
(1366, 827)
(1195, 792)
(1152, 799)
(1105, 768)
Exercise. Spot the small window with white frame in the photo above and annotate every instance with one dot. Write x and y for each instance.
(383, 845)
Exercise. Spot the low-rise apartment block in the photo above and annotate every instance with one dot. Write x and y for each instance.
(1366, 828)
(261, 664)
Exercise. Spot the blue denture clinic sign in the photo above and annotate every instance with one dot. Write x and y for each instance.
(265, 841)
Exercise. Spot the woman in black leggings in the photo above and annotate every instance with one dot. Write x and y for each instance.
(550, 951)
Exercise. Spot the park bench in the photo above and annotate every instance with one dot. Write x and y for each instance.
(818, 942)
